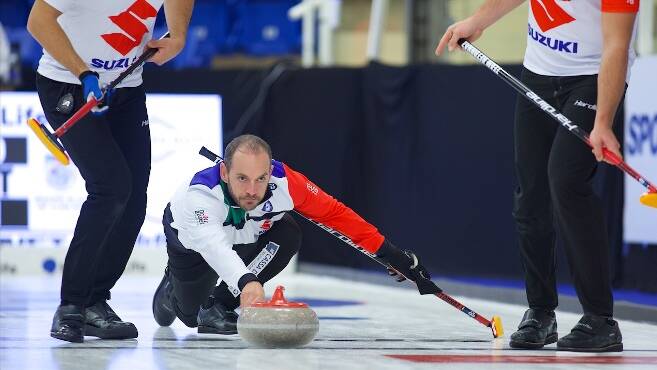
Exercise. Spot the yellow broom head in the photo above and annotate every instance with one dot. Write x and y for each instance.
(649, 199)
(49, 141)
(496, 326)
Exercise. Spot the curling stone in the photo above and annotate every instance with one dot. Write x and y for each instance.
(278, 323)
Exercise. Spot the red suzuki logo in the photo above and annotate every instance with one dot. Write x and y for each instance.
(549, 14)
(130, 22)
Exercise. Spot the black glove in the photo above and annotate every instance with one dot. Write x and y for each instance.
(403, 265)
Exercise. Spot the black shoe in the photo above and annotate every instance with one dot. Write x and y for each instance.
(102, 322)
(68, 323)
(162, 309)
(215, 319)
(593, 334)
(537, 328)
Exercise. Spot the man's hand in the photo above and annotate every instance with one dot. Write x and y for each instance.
(167, 49)
(603, 137)
(405, 264)
(468, 28)
(91, 89)
(472, 27)
(253, 292)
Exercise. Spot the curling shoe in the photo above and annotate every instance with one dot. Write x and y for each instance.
(593, 334)
(163, 311)
(68, 323)
(537, 328)
(102, 322)
(214, 318)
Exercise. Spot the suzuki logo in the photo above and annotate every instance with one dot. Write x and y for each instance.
(549, 14)
(130, 22)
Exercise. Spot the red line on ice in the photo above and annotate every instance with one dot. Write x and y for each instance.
(558, 359)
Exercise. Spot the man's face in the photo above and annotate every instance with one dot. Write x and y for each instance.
(248, 178)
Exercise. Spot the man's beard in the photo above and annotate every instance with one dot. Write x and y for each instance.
(254, 203)
(241, 201)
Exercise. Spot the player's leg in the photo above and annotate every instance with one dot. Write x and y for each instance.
(126, 118)
(580, 216)
(188, 281)
(533, 135)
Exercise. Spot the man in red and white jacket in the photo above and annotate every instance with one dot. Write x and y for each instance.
(578, 59)
(231, 222)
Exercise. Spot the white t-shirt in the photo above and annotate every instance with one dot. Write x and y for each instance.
(107, 34)
(565, 37)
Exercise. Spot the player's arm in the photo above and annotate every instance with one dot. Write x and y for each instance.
(177, 13)
(201, 230)
(311, 201)
(472, 27)
(42, 25)
(617, 26)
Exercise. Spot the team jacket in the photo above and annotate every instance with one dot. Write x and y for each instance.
(107, 34)
(564, 37)
(209, 222)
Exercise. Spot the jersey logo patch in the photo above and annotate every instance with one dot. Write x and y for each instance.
(65, 104)
(130, 22)
(549, 14)
(265, 226)
(312, 188)
(201, 216)
(267, 207)
(553, 43)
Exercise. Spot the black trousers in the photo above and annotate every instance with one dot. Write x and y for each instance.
(554, 171)
(193, 280)
(113, 154)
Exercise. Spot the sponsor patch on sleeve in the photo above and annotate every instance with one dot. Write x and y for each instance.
(201, 216)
